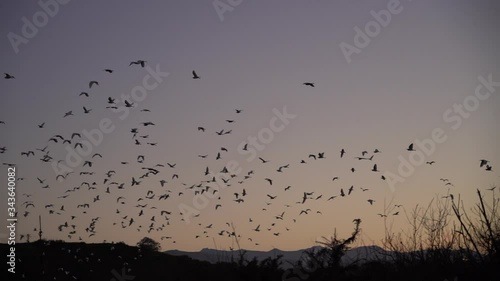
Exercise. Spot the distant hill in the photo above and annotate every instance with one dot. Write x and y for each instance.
(365, 253)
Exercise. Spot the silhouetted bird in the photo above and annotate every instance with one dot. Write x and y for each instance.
(410, 147)
(195, 75)
(92, 83)
(138, 62)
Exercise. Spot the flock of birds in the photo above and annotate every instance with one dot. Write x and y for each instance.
(160, 182)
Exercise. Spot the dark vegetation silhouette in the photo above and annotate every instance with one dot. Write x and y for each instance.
(445, 241)
(148, 244)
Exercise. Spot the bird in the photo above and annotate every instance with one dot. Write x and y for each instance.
(304, 197)
(374, 168)
(342, 152)
(28, 153)
(128, 104)
(140, 158)
(430, 162)
(410, 147)
(108, 70)
(41, 125)
(142, 63)
(370, 201)
(263, 161)
(134, 182)
(304, 211)
(145, 124)
(308, 84)
(92, 83)
(69, 113)
(195, 75)
(8, 76)
(483, 162)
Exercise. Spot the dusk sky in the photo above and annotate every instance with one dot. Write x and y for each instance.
(406, 81)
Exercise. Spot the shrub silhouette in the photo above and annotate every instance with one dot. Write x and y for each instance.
(148, 244)
(325, 262)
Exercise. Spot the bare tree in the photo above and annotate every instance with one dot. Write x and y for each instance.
(479, 234)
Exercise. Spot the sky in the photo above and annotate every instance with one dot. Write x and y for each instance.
(401, 81)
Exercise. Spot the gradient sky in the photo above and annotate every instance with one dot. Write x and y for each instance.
(392, 93)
